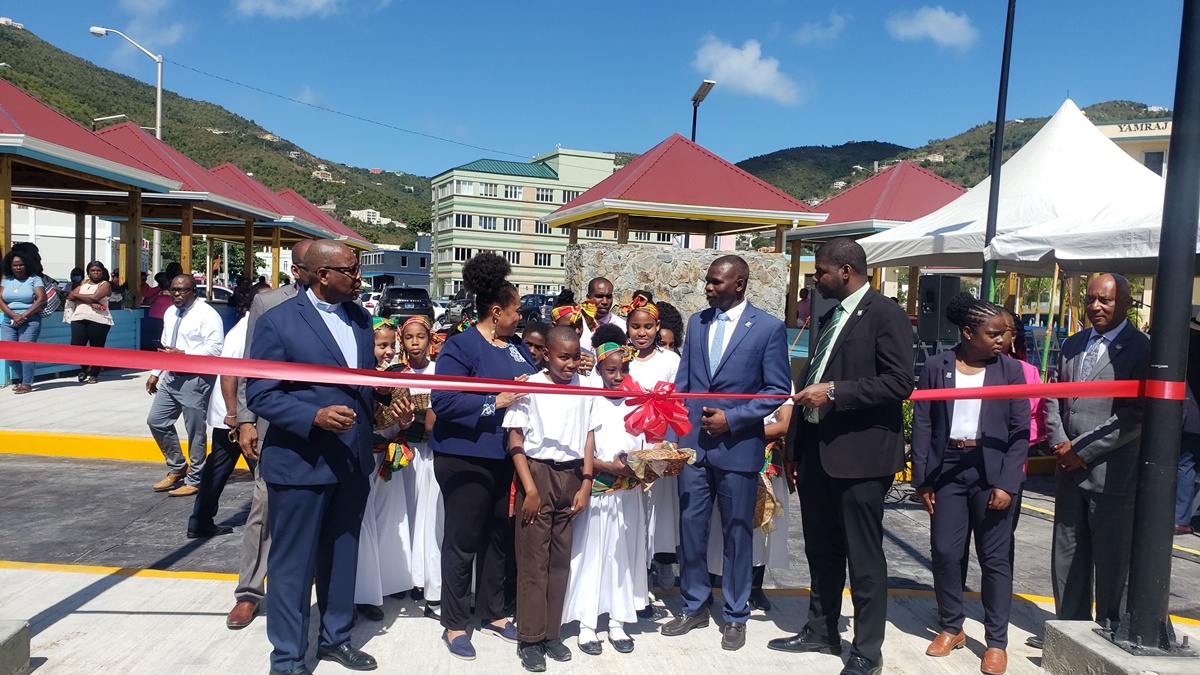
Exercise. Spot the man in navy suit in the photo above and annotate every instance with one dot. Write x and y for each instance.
(733, 347)
(315, 459)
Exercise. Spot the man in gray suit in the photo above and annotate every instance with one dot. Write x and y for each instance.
(1096, 444)
(256, 540)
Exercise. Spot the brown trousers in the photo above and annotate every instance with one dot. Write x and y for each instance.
(543, 550)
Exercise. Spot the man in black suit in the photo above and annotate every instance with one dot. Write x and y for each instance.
(315, 459)
(847, 443)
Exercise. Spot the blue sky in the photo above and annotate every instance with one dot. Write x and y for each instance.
(521, 77)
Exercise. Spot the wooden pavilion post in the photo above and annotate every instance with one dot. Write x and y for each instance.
(6, 176)
(276, 234)
(186, 227)
(710, 238)
(779, 230)
(622, 229)
(248, 245)
(793, 293)
(80, 237)
(914, 274)
(209, 282)
(1010, 292)
(130, 250)
(877, 279)
(572, 235)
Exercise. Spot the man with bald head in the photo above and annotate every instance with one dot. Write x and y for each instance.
(315, 459)
(1096, 445)
(256, 539)
(732, 347)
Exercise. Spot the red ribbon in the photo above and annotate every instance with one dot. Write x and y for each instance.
(655, 411)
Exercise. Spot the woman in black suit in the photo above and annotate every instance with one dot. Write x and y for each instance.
(968, 458)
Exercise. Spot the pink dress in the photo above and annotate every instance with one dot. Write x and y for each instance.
(1037, 417)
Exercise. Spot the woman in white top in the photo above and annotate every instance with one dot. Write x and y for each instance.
(651, 365)
(968, 458)
(87, 312)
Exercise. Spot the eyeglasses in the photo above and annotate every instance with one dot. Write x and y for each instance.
(181, 291)
(353, 271)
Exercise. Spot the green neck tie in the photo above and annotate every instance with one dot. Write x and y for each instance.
(817, 362)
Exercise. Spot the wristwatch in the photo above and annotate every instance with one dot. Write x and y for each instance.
(830, 393)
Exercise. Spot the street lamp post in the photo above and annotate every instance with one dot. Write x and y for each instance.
(698, 98)
(100, 31)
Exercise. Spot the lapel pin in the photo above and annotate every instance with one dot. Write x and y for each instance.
(749, 324)
(949, 376)
(860, 312)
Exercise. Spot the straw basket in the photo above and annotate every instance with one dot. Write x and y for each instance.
(664, 459)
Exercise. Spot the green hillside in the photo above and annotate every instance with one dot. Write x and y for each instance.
(84, 91)
(807, 172)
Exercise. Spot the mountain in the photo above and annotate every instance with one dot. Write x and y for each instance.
(809, 172)
(212, 135)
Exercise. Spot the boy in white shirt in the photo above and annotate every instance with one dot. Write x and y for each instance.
(552, 443)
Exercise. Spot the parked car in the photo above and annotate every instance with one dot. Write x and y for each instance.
(457, 309)
(370, 301)
(439, 308)
(403, 302)
(535, 307)
(220, 293)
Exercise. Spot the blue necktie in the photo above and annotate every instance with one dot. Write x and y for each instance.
(179, 312)
(718, 342)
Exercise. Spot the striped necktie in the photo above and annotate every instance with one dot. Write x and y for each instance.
(817, 362)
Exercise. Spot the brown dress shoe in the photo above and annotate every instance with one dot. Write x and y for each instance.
(995, 662)
(169, 482)
(945, 643)
(241, 615)
(184, 491)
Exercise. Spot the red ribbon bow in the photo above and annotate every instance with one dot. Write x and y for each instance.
(655, 411)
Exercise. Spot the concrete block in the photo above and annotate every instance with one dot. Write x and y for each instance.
(1074, 648)
(14, 647)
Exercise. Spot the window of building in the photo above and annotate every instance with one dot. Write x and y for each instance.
(663, 237)
(424, 262)
(1154, 161)
(545, 194)
(541, 228)
(444, 254)
(641, 236)
(513, 192)
(541, 289)
(404, 261)
(487, 222)
(444, 223)
(541, 259)
(594, 234)
(513, 257)
(464, 187)
(462, 220)
(453, 286)
(444, 189)
(489, 190)
(512, 224)
(462, 254)
(562, 261)
(568, 195)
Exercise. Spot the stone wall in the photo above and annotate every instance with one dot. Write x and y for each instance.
(675, 275)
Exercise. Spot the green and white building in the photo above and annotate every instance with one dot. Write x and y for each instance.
(497, 206)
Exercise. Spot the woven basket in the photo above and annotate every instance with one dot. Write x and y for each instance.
(383, 415)
(420, 402)
(664, 459)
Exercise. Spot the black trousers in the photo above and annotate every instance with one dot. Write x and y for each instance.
(89, 333)
(475, 497)
(961, 510)
(843, 523)
(213, 477)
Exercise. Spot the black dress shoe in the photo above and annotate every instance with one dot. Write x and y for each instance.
(593, 648)
(733, 636)
(805, 641)
(556, 650)
(759, 600)
(351, 657)
(1034, 641)
(370, 612)
(623, 646)
(533, 656)
(204, 532)
(684, 624)
(298, 670)
(861, 665)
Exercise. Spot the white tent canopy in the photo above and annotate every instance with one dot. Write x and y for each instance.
(1067, 174)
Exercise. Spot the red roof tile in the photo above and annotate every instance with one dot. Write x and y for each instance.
(21, 113)
(678, 171)
(903, 192)
(309, 211)
(167, 161)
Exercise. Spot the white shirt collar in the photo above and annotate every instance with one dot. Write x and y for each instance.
(1110, 335)
(735, 313)
(323, 306)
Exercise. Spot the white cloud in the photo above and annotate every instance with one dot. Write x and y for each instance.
(816, 31)
(149, 24)
(744, 69)
(947, 29)
(307, 95)
(286, 9)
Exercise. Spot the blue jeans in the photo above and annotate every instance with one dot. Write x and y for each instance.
(26, 332)
(1185, 488)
